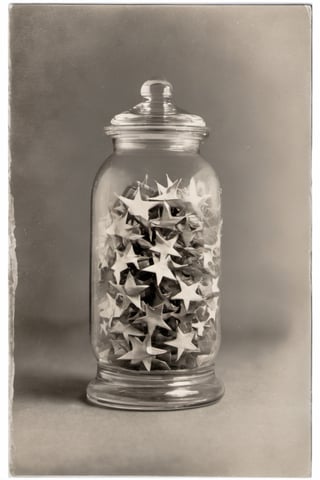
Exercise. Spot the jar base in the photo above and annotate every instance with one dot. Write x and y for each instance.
(135, 390)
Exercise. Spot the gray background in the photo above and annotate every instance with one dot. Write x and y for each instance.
(246, 70)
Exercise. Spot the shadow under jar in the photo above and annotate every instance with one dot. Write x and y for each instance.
(155, 266)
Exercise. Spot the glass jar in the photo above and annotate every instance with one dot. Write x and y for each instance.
(155, 264)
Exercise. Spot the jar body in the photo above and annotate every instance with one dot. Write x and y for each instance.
(155, 267)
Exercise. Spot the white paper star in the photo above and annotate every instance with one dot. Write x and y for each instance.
(188, 293)
(169, 192)
(126, 330)
(182, 342)
(137, 206)
(167, 220)
(153, 318)
(131, 290)
(192, 196)
(200, 326)
(120, 228)
(165, 247)
(110, 309)
(122, 260)
(142, 352)
(161, 269)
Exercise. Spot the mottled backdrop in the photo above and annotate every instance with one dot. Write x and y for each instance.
(246, 70)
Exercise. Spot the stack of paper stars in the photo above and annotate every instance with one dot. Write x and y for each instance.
(159, 270)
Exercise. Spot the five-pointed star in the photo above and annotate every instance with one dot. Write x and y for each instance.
(167, 220)
(126, 330)
(154, 318)
(188, 293)
(160, 268)
(137, 206)
(120, 228)
(142, 352)
(109, 308)
(122, 260)
(187, 234)
(164, 246)
(200, 326)
(192, 196)
(131, 290)
(182, 342)
(169, 192)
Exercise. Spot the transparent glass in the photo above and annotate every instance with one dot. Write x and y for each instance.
(155, 267)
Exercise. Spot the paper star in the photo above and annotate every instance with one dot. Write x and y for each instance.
(182, 342)
(165, 247)
(109, 308)
(137, 206)
(142, 352)
(161, 269)
(167, 220)
(120, 228)
(169, 192)
(200, 326)
(131, 290)
(187, 234)
(192, 197)
(126, 330)
(121, 263)
(188, 293)
(154, 318)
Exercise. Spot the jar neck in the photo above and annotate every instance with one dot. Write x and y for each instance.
(177, 143)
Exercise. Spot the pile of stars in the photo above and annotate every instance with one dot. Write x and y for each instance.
(159, 270)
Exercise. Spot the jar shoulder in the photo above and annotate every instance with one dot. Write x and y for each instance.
(128, 168)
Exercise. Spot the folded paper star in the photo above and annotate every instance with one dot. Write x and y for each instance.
(137, 206)
(183, 342)
(153, 318)
(120, 228)
(122, 261)
(131, 290)
(160, 269)
(165, 247)
(188, 293)
(169, 192)
(109, 308)
(167, 220)
(126, 330)
(142, 352)
(200, 326)
(192, 196)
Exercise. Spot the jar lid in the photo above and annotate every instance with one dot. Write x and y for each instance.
(156, 113)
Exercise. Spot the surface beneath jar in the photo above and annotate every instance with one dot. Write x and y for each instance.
(159, 266)
(261, 427)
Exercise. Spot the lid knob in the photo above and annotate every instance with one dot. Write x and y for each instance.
(156, 90)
